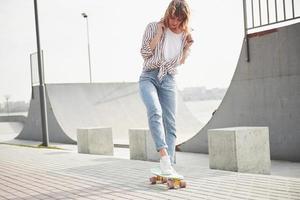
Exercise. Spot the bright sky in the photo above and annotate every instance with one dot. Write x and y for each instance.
(116, 28)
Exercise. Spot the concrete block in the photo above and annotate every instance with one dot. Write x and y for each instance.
(95, 141)
(142, 146)
(82, 141)
(240, 149)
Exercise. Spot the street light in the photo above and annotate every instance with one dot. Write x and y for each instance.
(88, 40)
(7, 97)
(42, 90)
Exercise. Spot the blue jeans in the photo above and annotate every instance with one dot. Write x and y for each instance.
(160, 101)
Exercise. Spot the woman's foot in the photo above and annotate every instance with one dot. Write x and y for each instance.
(165, 165)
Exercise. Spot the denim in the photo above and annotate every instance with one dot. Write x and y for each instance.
(160, 99)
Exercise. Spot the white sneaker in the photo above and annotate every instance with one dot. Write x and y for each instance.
(165, 165)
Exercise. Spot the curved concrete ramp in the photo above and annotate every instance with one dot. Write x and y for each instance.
(116, 105)
(11, 127)
(263, 92)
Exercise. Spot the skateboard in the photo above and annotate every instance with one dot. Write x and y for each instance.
(173, 181)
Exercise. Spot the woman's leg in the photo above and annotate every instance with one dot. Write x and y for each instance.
(149, 89)
(168, 100)
(150, 98)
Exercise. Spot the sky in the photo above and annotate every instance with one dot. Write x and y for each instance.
(116, 28)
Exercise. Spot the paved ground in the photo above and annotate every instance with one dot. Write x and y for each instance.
(34, 173)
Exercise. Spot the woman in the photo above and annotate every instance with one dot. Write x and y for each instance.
(165, 46)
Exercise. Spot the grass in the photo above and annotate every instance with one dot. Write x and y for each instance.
(40, 146)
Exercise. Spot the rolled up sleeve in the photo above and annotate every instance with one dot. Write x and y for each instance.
(149, 34)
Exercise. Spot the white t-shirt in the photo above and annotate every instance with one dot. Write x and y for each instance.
(172, 44)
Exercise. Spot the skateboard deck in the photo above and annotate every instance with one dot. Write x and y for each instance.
(173, 181)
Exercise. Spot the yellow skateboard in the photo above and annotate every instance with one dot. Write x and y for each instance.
(174, 181)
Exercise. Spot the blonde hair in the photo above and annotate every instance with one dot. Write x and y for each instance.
(180, 9)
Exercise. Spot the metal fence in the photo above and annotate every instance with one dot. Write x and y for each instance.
(263, 13)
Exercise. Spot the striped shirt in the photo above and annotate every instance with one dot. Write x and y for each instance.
(154, 59)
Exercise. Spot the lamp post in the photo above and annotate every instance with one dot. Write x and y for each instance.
(42, 91)
(7, 97)
(88, 40)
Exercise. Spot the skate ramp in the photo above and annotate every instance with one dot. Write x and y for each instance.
(116, 105)
(263, 92)
(10, 127)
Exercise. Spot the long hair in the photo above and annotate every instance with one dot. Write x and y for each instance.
(180, 9)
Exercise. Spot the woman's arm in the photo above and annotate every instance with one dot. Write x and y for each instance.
(151, 38)
(186, 49)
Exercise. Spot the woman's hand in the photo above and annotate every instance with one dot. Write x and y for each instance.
(159, 33)
(160, 27)
(188, 42)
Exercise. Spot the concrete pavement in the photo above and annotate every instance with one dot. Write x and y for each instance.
(35, 173)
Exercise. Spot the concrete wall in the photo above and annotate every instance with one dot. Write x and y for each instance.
(13, 118)
(263, 92)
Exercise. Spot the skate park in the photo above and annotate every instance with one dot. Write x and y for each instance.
(108, 104)
(115, 105)
(264, 91)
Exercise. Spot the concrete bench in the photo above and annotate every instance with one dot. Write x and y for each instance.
(240, 149)
(95, 141)
(141, 145)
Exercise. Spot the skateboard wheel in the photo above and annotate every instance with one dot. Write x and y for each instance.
(158, 178)
(182, 184)
(153, 180)
(170, 184)
(164, 180)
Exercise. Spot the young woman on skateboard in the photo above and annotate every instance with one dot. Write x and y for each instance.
(165, 46)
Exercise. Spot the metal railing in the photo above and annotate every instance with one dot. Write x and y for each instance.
(35, 80)
(263, 13)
